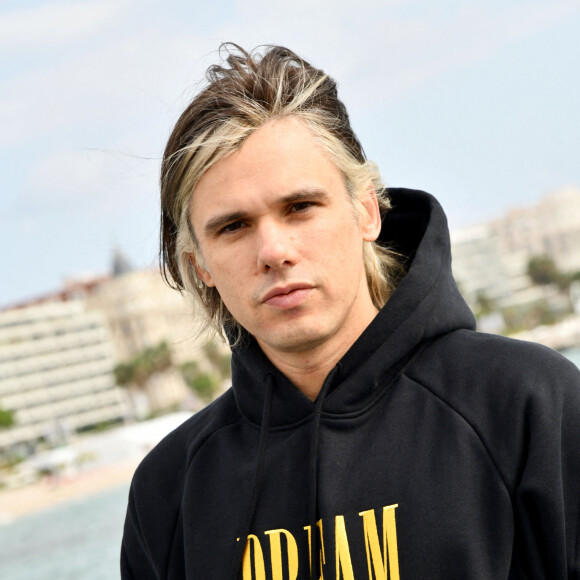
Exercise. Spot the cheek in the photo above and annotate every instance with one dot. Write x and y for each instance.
(229, 275)
(340, 244)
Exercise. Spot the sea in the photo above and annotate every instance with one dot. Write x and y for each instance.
(78, 540)
(573, 354)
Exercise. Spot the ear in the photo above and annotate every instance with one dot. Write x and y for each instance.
(370, 218)
(201, 271)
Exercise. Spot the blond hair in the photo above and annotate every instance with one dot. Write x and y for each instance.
(251, 90)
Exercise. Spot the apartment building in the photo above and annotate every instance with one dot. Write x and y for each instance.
(551, 226)
(56, 362)
(141, 310)
(491, 259)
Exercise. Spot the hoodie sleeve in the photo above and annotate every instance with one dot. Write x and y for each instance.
(523, 402)
(151, 537)
(136, 559)
(547, 495)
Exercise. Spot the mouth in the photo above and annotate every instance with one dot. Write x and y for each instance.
(288, 296)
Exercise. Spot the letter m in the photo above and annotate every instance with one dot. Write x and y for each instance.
(378, 557)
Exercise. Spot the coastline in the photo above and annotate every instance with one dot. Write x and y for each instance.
(118, 452)
(45, 494)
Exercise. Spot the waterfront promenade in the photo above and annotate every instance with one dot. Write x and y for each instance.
(118, 452)
(115, 455)
(45, 494)
(560, 336)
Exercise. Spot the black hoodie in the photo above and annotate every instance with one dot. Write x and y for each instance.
(432, 451)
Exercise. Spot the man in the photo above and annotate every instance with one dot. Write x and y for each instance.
(370, 431)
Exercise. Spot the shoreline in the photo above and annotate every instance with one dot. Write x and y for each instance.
(45, 494)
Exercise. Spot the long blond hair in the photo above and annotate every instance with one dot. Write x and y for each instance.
(247, 92)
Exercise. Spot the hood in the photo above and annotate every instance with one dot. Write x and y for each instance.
(426, 304)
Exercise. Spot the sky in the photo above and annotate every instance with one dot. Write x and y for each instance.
(474, 101)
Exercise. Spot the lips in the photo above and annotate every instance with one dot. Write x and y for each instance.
(288, 296)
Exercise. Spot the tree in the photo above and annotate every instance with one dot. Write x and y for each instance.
(484, 304)
(543, 270)
(124, 374)
(136, 373)
(220, 361)
(139, 369)
(204, 385)
(6, 418)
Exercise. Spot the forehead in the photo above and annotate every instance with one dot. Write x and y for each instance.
(279, 158)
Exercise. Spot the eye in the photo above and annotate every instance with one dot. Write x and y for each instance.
(232, 227)
(301, 206)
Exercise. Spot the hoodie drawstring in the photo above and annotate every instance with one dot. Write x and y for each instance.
(238, 556)
(314, 445)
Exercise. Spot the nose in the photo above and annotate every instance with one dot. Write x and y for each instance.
(275, 247)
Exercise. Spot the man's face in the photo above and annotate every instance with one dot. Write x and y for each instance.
(282, 244)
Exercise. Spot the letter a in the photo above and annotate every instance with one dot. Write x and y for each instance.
(343, 561)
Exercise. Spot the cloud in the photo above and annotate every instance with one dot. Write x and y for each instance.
(136, 81)
(112, 82)
(381, 51)
(405, 53)
(83, 181)
(377, 51)
(90, 86)
(57, 22)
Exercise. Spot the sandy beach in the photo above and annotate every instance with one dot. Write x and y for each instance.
(118, 452)
(45, 494)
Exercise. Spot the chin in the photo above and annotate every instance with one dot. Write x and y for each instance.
(297, 341)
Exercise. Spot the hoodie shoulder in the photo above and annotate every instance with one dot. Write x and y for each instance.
(176, 449)
(154, 509)
(493, 362)
(518, 397)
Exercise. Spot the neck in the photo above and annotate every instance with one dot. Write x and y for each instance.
(308, 372)
(307, 369)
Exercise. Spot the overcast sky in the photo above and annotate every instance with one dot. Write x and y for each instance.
(474, 101)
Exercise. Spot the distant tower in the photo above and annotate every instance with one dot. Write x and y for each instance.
(121, 264)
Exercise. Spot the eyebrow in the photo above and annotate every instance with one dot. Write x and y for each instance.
(305, 194)
(218, 222)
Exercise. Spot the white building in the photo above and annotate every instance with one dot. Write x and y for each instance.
(56, 362)
(141, 310)
(491, 259)
(480, 267)
(551, 227)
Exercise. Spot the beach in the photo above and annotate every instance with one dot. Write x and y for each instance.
(48, 493)
(114, 455)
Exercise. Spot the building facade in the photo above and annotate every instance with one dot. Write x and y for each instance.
(491, 259)
(141, 310)
(56, 374)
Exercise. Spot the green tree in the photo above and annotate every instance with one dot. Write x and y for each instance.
(484, 304)
(124, 374)
(189, 371)
(220, 361)
(204, 385)
(543, 270)
(139, 369)
(6, 418)
(135, 374)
